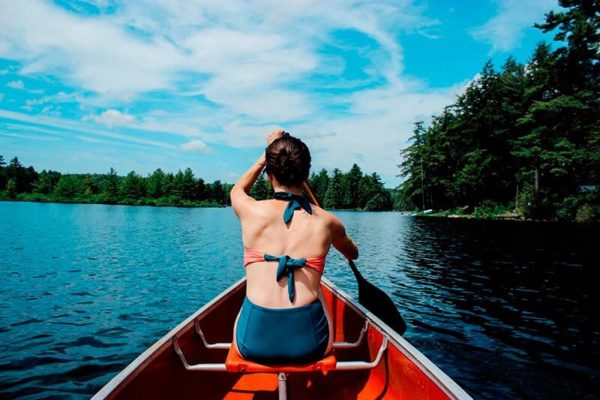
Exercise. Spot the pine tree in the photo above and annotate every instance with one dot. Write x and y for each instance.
(69, 187)
(352, 184)
(334, 194)
(218, 193)
(3, 177)
(110, 186)
(319, 184)
(132, 187)
(46, 182)
(156, 184)
(261, 190)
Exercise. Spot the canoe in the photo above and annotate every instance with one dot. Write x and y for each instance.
(195, 361)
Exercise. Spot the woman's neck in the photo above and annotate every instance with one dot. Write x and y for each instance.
(290, 189)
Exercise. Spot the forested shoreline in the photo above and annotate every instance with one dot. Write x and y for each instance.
(524, 140)
(338, 190)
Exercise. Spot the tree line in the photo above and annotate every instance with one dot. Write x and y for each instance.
(159, 188)
(337, 190)
(351, 190)
(524, 138)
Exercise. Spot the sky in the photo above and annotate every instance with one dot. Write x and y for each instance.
(139, 85)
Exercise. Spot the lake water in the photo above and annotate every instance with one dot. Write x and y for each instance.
(509, 310)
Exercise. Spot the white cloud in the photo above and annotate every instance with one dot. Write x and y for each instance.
(29, 136)
(195, 145)
(243, 51)
(250, 62)
(93, 53)
(66, 127)
(506, 29)
(60, 97)
(18, 84)
(112, 118)
(373, 135)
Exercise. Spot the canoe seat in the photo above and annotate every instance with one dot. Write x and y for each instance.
(236, 363)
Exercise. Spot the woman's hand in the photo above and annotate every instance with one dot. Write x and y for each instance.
(276, 134)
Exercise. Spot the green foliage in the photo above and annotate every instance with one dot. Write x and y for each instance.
(219, 192)
(352, 180)
(341, 190)
(3, 177)
(22, 177)
(69, 187)
(319, 184)
(157, 184)
(488, 209)
(158, 189)
(588, 213)
(132, 187)
(46, 182)
(334, 196)
(351, 190)
(381, 201)
(262, 188)
(11, 188)
(110, 186)
(526, 132)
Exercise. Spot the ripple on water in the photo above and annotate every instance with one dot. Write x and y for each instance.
(508, 310)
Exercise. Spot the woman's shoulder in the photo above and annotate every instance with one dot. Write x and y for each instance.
(325, 215)
(260, 207)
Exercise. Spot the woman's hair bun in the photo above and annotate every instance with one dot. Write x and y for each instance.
(288, 160)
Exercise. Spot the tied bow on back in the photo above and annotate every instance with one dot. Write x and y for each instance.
(295, 202)
(286, 267)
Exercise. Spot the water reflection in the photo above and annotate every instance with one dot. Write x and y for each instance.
(514, 299)
(509, 310)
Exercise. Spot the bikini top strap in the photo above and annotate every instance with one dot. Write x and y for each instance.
(295, 202)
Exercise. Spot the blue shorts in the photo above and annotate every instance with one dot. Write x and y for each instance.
(274, 336)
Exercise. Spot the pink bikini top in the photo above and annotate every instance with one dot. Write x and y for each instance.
(251, 256)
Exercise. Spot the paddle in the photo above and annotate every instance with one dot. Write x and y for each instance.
(369, 295)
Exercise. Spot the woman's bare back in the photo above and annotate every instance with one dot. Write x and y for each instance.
(305, 236)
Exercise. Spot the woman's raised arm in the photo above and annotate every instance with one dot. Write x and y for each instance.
(240, 199)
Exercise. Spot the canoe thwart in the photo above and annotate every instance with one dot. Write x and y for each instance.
(195, 367)
(235, 363)
(356, 365)
(222, 346)
(351, 345)
(226, 346)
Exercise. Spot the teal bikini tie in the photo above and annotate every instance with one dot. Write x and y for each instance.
(295, 202)
(286, 267)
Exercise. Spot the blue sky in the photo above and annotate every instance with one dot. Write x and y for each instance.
(140, 85)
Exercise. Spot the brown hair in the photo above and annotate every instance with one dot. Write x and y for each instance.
(288, 160)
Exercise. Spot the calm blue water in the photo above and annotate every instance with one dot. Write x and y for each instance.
(509, 310)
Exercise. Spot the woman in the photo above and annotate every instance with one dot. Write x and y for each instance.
(284, 318)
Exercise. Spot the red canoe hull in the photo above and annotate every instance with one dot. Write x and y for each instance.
(403, 373)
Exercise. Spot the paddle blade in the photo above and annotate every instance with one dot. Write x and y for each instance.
(378, 302)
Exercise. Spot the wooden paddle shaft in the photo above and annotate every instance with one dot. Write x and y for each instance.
(310, 194)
